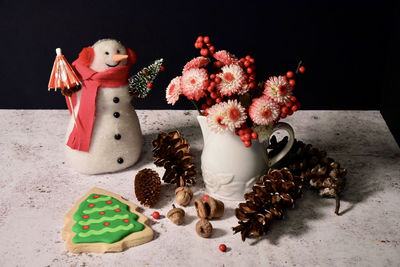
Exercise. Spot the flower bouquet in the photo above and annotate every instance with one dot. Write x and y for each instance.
(228, 93)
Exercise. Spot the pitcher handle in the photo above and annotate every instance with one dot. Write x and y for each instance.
(286, 127)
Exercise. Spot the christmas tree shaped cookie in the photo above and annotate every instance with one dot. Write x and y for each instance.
(102, 221)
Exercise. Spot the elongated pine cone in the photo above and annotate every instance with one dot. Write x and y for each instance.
(147, 187)
(270, 196)
(317, 170)
(172, 152)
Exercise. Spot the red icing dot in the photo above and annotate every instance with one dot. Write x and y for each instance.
(117, 210)
(85, 216)
(109, 202)
(85, 227)
(91, 205)
(106, 223)
(102, 212)
(126, 220)
(96, 196)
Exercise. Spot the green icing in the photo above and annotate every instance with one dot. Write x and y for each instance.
(94, 200)
(93, 210)
(97, 231)
(104, 219)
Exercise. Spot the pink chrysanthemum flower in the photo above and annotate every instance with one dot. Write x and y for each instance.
(264, 111)
(174, 90)
(235, 114)
(193, 83)
(278, 89)
(225, 57)
(198, 62)
(216, 117)
(232, 80)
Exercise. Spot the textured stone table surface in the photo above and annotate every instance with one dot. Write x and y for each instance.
(37, 189)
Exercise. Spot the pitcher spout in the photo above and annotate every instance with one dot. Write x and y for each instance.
(204, 127)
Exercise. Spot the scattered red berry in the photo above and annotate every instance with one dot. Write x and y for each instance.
(222, 247)
(199, 39)
(156, 215)
(254, 135)
(247, 137)
(217, 80)
(206, 39)
(292, 82)
(162, 68)
(302, 69)
(290, 74)
(205, 198)
(149, 85)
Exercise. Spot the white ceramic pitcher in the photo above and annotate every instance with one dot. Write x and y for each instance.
(229, 168)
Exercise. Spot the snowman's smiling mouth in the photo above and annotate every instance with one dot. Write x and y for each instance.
(111, 66)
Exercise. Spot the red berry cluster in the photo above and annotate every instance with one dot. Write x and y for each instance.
(293, 105)
(246, 134)
(250, 69)
(213, 95)
(203, 43)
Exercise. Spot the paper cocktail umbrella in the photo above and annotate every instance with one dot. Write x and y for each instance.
(64, 78)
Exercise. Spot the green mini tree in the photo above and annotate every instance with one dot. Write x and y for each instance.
(141, 83)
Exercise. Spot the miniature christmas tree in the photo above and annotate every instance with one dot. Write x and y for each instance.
(101, 218)
(141, 83)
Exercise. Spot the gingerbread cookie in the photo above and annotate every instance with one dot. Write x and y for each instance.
(102, 221)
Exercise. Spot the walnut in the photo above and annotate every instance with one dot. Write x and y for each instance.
(204, 228)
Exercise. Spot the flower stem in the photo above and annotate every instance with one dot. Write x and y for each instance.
(195, 105)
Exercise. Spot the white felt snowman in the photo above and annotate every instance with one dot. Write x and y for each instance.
(106, 136)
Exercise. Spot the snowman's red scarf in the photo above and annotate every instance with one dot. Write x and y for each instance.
(80, 136)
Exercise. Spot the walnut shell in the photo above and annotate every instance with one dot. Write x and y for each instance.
(201, 209)
(204, 228)
(183, 195)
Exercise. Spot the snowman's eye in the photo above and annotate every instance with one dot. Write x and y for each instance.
(107, 53)
(117, 51)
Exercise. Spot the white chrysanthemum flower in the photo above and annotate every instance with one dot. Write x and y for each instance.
(264, 111)
(278, 89)
(235, 114)
(232, 80)
(193, 83)
(174, 90)
(216, 117)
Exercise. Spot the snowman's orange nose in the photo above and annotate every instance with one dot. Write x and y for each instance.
(118, 58)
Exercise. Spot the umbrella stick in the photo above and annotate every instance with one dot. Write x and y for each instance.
(73, 111)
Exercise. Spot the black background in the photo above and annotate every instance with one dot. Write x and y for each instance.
(350, 48)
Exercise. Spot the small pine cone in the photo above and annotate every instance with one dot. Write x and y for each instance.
(270, 196)
(172, 152)
(147, 187)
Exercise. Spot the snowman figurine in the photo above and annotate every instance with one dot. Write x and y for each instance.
(104, 135)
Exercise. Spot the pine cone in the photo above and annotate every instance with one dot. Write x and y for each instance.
(270, 196)
(147, 187)
(172, 152)
(313, 165)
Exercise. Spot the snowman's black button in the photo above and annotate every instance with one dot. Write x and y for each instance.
(120, 160)
(117, 136)
(115, 100)
(116, 114)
